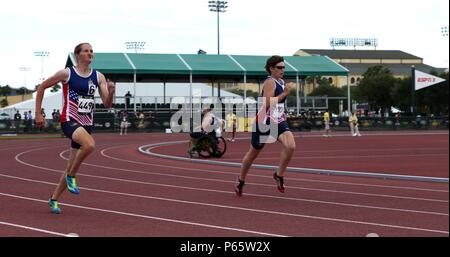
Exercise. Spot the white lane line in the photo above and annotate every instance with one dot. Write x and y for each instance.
(266, 185)
(103, 153)
(249, 194)
(32, 228)
(359, 150)
(236, 208)
(146, 149)
(149, 217)
(348, 156)
(226, 181)
(19, 147)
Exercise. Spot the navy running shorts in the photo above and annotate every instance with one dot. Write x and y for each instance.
(256, 140)
(69, 127)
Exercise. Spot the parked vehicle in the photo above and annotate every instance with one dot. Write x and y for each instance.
(4, 116)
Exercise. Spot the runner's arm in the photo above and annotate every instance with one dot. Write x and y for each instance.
(60, 76)
(106, 90)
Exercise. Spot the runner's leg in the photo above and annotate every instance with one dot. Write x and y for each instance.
(62, 181)
(288, 141)
(82, 137)
(247, 161)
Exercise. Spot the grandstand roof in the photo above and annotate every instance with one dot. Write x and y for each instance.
(178, 67)
(396, 69)
(361, 54)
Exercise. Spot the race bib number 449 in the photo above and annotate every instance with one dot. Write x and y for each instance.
(278, 112)
(85, 104)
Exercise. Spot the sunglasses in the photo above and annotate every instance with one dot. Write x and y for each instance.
(280, 67)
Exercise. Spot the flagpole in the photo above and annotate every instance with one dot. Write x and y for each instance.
(413, 90)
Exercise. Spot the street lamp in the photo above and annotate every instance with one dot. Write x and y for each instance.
(42, 54)
(218, 7)
(135, 45)
(24, 69)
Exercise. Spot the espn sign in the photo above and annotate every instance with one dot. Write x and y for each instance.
(425, 80)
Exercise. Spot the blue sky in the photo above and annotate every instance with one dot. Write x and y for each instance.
(255, 27)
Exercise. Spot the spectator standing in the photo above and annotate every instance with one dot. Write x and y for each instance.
(353, 121)
(17, 120)
(25, 122)
(141, 120)
(326, 120)
(45, 121)
(231, 121)
(30, 121)
(123, 122)
(127, 100)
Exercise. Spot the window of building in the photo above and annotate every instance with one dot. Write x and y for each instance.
(352, 80)
(330, 80)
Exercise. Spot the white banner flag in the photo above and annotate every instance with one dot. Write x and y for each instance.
(425, 80)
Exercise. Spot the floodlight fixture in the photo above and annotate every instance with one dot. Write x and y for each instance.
(136, 45)
(42, 54)
(364, 42)
(218, 7)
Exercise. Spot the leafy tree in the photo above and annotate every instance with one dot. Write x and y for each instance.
(5, 91)
(401, 94)
(250, 93)
(327, 90)
(4, 102)
(375, 88)
(313, 80)
(22, 91)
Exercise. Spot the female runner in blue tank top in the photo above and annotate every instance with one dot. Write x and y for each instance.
(79, 85)
(276, 92)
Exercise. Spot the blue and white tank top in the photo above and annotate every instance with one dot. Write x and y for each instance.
(79, 97)
(278, 114)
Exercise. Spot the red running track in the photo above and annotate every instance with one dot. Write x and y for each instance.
(126, 193)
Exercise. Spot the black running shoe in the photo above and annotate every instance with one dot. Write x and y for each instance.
(280, 182)
(238, 188)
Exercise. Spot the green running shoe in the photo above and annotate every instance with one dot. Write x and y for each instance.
(72, 185)
(54, 206)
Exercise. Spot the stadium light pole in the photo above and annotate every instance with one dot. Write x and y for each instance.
(24, 69)
(136, 45)
(218, 7)
(444, 33)
(42, 54)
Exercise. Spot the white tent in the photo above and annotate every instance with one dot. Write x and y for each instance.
(145, 93)
(51, 101)
(154, 92)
